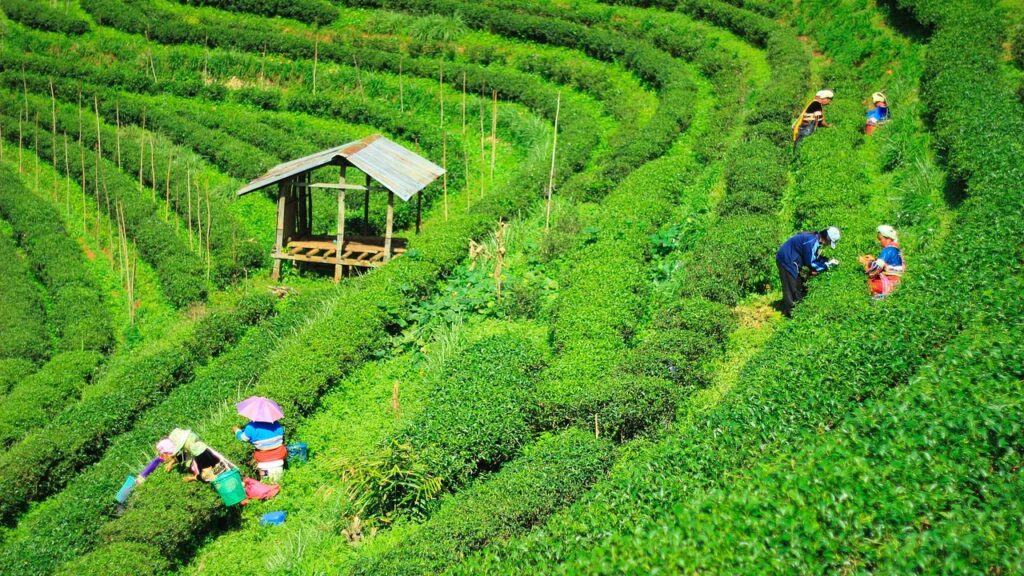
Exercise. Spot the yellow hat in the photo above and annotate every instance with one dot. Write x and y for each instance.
(877, 97)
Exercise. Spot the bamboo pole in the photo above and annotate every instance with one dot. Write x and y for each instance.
(188, 193)
(359, 78)
(499, 238)
(117, 117)
(199, 216)
(209, 224)
(316, 56)
(67, 180)
(21, 138)
(401, 88)
(483, 163)
(444, 141)
(1, 143)
(465, 146)
(494, 129)
(551, 175)
(35, 148)
(167, 184)
(142, 148)
(81, 155)
(152, 166)
(53, 124)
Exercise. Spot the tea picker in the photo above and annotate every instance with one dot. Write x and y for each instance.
(265, 433)
(813, 116)
(886, 270)
(802, 251)
(877, 115)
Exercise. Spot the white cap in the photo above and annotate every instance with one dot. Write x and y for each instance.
(888, 232)
(833, 235)
(877, 97)
(824, 94)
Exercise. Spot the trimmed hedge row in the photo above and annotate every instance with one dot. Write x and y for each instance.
(921, 481)
(78, 312)
(343, 337)
(180, 270)
(319, 12)
(38, 397)
(549, 475)
(46, 459)
(478, 413)
(23, 332)
(66, 524)
(782, 396)
(43, 16)
(12, 370)
(676, 89)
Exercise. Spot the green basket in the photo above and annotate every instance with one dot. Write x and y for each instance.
(229, 487)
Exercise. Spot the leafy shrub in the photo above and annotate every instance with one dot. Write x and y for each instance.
(22, 319)
(394, 480)
(735, 260)
(43, 16)
(79, 313)
(46, 459)
(12, 370)
(310, 11)
(680, 336)
(121, 559)
(179, 269)
(38, 397)
(548, 476)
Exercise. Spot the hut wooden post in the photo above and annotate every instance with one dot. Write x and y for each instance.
(419, 210)
(390, 222)
(279, 242)
(341, 222)
(366, 207)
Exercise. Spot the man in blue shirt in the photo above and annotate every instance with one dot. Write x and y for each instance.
(803, 251)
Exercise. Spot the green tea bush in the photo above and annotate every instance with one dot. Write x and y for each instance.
(680, 336)
(67, 524)
(180, 270)
(319, 12)
(40, 396)
(43, 16)
(781, 398)
(12, 370)
(47, 458)
(79, 313)
(479, 412)
(121, 559)
(550, 474)
(755, 179)
(23, 332)
(734, 260)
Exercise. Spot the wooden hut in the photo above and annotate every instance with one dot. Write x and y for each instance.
(384, 165)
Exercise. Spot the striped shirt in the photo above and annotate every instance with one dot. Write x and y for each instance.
(262, 435)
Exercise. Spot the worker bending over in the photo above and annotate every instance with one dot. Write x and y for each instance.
(812, 117)
(803, 251)
(184, 446)
(877, 115)
(886, 270)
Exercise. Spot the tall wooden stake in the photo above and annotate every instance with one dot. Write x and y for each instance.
(551, 175)
(338, 269)
(499, 237)
(117, 118)
(483, 163)
(494, 129)
(188, 193)
(465, 145)
(401, 88)
(142, 148)
(316, 56)
(53, 124)
(167, 184)
(389, 224)
(67, 179)
(444, 142)
(152, 166)
(209, 224)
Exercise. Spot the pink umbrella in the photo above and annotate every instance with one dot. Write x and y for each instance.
(260, 409)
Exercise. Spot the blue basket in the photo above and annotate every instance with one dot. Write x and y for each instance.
(126, 490)
(298, 452)
(273, 518)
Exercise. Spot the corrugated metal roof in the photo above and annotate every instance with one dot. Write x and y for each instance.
(392, 165)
